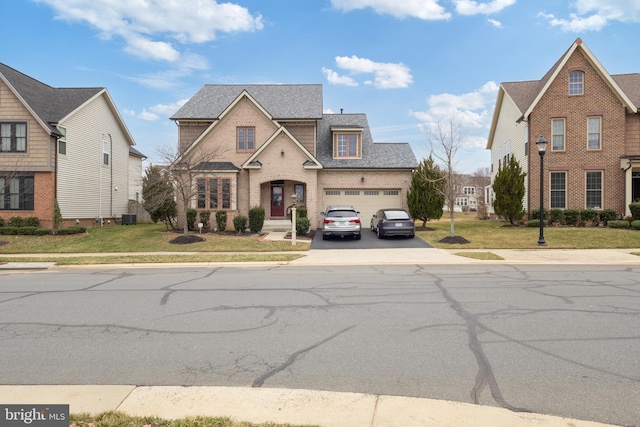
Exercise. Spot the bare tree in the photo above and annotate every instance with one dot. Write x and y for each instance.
(480, 179)
(445, 139)
(186, 167)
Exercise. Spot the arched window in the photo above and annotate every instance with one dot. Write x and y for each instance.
(576, 83)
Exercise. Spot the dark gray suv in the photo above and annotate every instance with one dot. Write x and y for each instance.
(341, 221)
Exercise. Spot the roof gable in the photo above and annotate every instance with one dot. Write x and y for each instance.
(552, 74)
(254, 160)
(47, 104)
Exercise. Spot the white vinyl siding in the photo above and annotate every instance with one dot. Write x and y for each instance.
(86, 187)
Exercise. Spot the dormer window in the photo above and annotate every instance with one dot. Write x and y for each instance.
(576, 83)
(347, 144)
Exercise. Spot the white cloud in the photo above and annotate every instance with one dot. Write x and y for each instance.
(147, 116)
(471, 7)
(335, 79)
(156, 111)
(386, 75)
(495, 23)
(594, 15)
(168, 79)
(422, 9)
(148, 27)
(474, 109)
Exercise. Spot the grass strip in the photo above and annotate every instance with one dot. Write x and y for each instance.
(153, 259)
(484, 256)
(119, 419)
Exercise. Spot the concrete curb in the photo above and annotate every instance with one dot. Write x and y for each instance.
(260, 405)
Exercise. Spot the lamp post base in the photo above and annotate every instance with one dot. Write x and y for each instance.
(541, 242)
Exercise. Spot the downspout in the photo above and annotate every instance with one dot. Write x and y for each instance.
(111, 176)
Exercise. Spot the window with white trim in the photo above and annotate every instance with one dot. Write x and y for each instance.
(557, 131)
(62, 141)
(593, 133)
(214, 193)
(558, 188)
(594, 190)
(576, 83)
(105, 152)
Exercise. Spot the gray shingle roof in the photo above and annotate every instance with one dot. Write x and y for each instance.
(50, 104)
(134, 152)
(280, 101)
(217, 166)
(374, 155)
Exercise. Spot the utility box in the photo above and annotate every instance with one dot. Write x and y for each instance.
(128, 219)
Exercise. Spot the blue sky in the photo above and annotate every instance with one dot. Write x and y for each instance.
(407, 64)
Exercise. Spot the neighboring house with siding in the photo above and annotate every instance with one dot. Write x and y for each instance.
(275, 142)
(592, 123)
(64, 144)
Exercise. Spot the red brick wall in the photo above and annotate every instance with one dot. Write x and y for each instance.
(576, 160)
(43, 203)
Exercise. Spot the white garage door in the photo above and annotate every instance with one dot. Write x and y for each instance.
(367, 201)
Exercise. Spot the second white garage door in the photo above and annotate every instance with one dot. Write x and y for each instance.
(366, 201)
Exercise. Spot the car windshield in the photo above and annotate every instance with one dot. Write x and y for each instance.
(396, 215)
(341, 214)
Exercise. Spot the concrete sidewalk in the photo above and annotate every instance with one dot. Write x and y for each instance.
(298, 407)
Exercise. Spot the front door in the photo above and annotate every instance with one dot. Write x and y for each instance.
(277, 203)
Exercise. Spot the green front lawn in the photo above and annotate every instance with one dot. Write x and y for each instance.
(492, 234)
(139, 238)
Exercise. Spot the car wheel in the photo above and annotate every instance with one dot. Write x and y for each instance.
(372, 227)
(324, 237)
(358, 236)
(411, 236)
(378, 233)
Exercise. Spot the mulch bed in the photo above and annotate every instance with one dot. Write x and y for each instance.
(459, 240)
(3, 243)
(195, 238)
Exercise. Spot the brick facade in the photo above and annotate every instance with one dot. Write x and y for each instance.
(598, 100)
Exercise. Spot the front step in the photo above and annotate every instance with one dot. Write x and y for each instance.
(276, 225)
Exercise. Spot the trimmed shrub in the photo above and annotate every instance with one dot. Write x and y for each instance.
(72, 230)
(43, 231)
(9, 231)
(607, 215)
(256, 219)
(589, 216)
(535, 223)
(619, 224)
(1, 222)
(15, 221)
(302, 226)
(221, 220)
(27, 231)
(205, 216)
(535, 214)
(635, 224)
(240, 223)
(635, 210)
(571, 216)
(301, 212)
(31, 221)
(556, 217)
(192, 214)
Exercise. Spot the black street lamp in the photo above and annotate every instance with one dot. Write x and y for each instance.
(542, 148)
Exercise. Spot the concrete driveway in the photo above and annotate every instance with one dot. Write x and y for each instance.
(369, 240)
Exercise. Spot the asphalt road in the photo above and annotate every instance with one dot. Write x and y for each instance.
(547, 339)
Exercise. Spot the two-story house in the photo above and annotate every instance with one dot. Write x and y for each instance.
(591, 121)
(274, 141)
(68, 145)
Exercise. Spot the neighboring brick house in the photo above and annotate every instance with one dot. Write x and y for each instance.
(275, 142)
(591, 121)
(64, 144)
